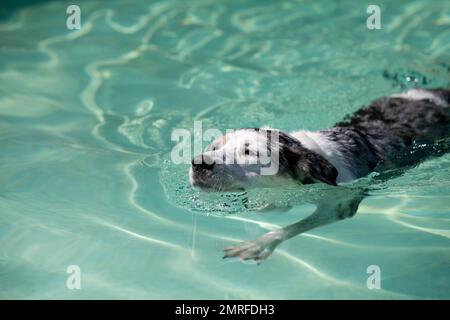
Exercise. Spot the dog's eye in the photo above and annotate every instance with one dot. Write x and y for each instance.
(247, 150)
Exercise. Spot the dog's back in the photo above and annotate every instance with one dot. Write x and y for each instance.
(386, 130)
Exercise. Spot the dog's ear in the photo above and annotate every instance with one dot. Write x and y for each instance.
(305, 165)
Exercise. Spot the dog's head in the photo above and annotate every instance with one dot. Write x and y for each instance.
(258, 157)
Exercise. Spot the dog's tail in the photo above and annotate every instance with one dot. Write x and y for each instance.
(443, 94)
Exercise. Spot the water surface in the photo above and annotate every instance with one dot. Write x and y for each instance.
(85, 123)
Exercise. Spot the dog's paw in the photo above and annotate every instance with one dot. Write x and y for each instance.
(257, 250)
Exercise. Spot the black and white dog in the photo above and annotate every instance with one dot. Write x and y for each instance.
(374, 138)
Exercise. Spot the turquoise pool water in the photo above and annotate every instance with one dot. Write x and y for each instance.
(85, 136)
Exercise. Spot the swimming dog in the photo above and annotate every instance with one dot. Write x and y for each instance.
(374, 138)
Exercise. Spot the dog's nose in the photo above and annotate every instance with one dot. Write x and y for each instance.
(203, 162)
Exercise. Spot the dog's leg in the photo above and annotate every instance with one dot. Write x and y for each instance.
(326, 212)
